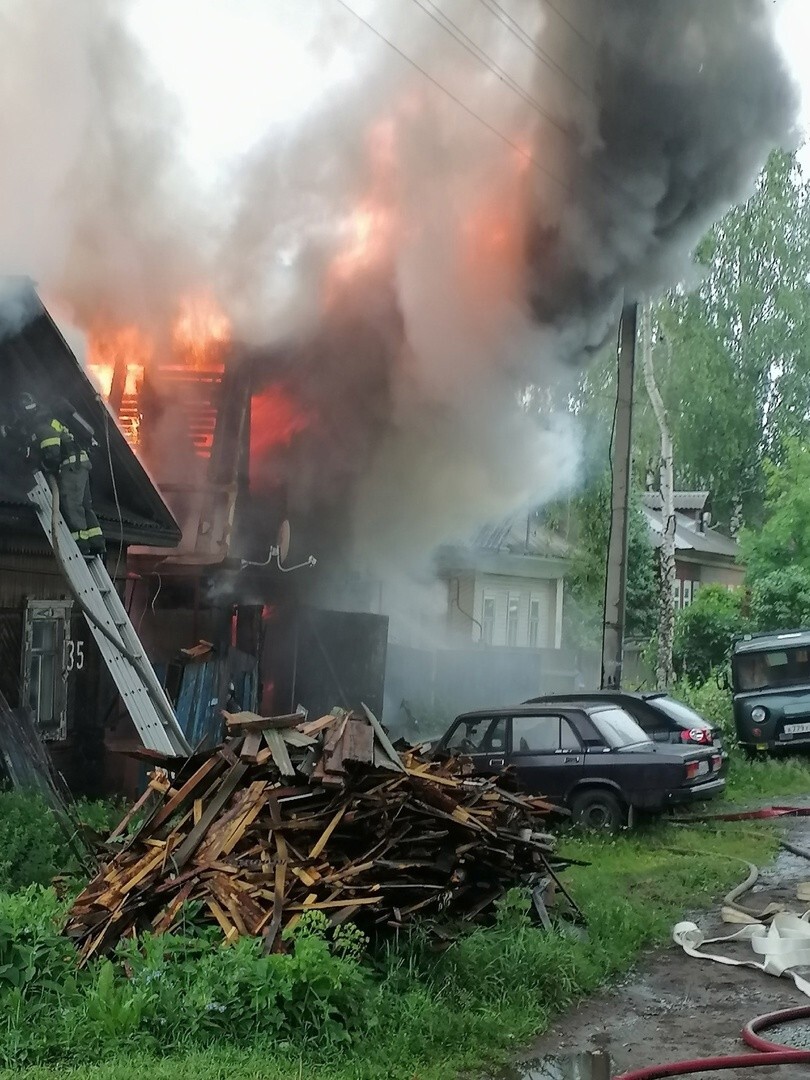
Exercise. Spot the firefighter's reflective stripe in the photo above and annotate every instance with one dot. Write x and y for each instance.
(91, 534)
(54, 441)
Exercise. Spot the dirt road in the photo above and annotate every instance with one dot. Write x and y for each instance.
(673, 1007)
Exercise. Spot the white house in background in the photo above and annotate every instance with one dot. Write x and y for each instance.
(703, 556)
(506, 587)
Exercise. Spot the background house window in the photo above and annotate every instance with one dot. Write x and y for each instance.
(687, 593)
(512, 613)
(488, 620)
(47, 656)
(676, 593)
(534, 622)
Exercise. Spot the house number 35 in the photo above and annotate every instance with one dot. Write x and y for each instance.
(75, 655)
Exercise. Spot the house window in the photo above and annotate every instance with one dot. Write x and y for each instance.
(534, 622)
(488, 620)
(676, 593)
(48, 653)
(512, 612)
(687, 593)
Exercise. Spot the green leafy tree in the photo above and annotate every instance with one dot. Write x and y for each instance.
(784, 539)
(587, 525)
(733, 352)
(781, 600)
(705, 630)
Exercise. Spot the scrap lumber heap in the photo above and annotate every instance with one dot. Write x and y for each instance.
(291, 815)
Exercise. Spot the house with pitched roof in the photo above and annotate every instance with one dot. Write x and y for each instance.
(48, 660)
(703, 554)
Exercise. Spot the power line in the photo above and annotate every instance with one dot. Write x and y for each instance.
(514, 27)
(448, 93)
(478, 53)
(485, 60)
(566, 20)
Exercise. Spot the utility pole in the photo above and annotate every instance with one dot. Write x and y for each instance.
(616, 572)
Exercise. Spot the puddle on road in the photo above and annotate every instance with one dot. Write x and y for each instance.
(590, 1066)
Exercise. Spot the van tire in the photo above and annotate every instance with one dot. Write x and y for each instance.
(598, 810)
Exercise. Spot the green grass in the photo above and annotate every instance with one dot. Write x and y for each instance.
(771, 778)
(432, 1017)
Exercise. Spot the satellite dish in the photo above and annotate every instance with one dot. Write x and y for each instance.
(283, 541)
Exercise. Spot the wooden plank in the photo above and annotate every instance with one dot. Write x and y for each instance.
(228, 929)
(314, 727)
(323, 905)
(177, 801)
(383, 739)
(281, 755)
(247, 819)
(147, 865)
(293, 737)
(134, 809)
(195, 837)
(251, 746)
(327, 832)
(279, 886)
(250, 721)
(358, 742)
(164, 919)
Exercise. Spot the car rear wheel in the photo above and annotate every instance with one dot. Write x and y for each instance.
(597, 809)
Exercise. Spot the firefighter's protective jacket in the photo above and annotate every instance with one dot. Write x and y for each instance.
(56, 445)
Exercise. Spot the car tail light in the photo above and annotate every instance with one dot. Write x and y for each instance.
(717, 761)
(692, 769)
(756, 732)
(696, 735)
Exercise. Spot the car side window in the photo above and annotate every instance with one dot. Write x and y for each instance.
(542, 735)
(479, 735)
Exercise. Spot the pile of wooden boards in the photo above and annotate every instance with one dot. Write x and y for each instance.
(291, 815)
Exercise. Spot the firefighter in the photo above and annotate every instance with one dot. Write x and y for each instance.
(62, 452)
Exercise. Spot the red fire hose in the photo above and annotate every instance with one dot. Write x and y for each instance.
(768, 1053)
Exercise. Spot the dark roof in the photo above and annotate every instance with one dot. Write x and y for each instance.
(34, 357)
(785, 639)
(690, 537)
(520, 534)
(683, 500)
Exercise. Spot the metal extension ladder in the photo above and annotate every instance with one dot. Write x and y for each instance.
(121, 648)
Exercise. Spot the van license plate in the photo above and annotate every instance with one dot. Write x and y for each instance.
(796, 729)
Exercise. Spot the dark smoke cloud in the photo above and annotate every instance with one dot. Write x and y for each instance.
(689, 99)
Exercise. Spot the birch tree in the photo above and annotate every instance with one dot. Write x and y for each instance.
(666, 566)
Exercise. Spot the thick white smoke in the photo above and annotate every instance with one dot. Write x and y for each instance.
(420, 254)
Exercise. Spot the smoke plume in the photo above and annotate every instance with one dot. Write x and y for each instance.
(423, 257)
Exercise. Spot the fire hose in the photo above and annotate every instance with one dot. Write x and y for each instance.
(783, 945)
(767, 1053)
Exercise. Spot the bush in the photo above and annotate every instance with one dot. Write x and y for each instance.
(781, 600)
(705, 630)
(33, 846)
(171, 992)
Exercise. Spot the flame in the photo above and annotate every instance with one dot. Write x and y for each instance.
(118, 357)
(275, 419)
(369, 232)
(201, 332)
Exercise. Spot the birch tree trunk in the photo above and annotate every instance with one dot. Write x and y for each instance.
(666, 565)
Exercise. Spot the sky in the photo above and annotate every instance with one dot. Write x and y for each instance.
(248, 66)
